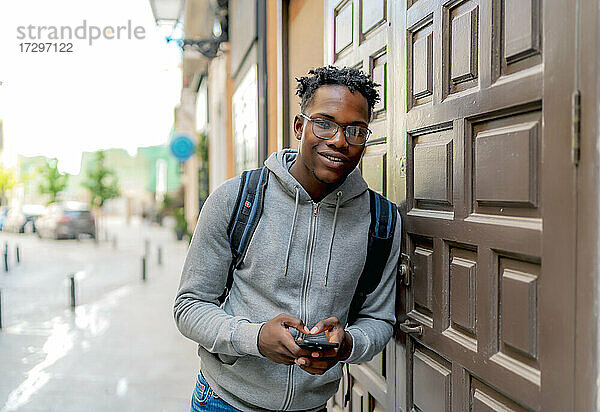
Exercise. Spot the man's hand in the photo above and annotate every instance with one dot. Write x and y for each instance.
(277, 344)
(320, 362)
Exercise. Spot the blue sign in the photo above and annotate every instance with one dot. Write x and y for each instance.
(182, 147)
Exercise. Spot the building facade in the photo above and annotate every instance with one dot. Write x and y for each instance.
(487, 137)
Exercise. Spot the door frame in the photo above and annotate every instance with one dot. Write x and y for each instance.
(587, 351)
(557, 350)
(396, 182)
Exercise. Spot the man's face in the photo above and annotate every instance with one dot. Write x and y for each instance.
(337, 103)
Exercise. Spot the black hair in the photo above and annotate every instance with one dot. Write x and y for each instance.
(353, 79)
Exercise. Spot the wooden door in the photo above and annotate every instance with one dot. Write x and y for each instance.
(481, 125)
(473, 140)
(356, 35)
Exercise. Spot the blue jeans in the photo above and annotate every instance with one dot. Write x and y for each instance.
(204, 399)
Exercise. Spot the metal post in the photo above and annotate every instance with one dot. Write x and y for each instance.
(6, 257)
(18, 255)
(146, 247)
(72, 284)
(144, 268)
(159, 256)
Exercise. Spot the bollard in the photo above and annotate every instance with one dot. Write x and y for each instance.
(6, 257)
(72, 284)
(146, 247)
(18, 255)
(114, 242)
(159, 256)
(144, 268)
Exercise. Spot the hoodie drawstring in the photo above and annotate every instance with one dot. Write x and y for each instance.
(337, 205)
(287, 254)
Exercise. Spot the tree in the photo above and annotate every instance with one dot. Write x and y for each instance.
(7, 182)
(52, 181)
(102, 182)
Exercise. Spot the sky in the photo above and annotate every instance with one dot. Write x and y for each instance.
(114, 93)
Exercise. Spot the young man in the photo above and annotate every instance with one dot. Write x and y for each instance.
(300, 270)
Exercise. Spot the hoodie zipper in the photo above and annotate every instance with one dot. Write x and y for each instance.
(303, 313)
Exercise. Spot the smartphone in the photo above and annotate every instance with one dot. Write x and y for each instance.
(315, 342)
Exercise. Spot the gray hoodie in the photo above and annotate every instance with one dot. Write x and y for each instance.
(304, 259)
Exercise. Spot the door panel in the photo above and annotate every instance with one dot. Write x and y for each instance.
(357, 36)
(432, 382)
(486, 399)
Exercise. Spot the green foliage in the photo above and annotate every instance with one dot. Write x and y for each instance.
(181, 228)
(180, 223)
(7, 182)
(202, 154)
(52, 181)
(101, 181)
(202, 148)
(168, 202)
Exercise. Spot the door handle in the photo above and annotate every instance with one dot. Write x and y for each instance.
(411, 329)
(405, 270)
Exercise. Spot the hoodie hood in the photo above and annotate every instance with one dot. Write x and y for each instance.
(354, 185)
(279, 164)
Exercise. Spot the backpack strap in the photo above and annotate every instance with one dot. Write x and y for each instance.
(244, 218)
(381, 237)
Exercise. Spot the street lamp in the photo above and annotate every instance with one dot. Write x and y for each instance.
(167, 11)
(207, 47)
(207, 43)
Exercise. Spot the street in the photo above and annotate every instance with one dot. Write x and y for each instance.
(119, 348)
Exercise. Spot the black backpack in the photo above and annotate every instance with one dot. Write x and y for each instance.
(248, 210)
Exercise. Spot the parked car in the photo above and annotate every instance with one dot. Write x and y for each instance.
(21, 218)
(67, 220)
(3, 213)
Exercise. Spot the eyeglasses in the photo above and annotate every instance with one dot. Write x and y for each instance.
(325, 129)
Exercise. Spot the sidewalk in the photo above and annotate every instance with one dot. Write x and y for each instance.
(118, 351)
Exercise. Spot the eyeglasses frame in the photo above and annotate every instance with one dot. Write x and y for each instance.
(337, 130)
